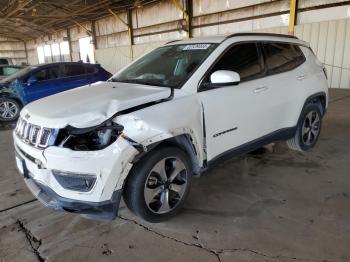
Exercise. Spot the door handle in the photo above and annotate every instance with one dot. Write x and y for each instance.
(301, 77)
(260, 89)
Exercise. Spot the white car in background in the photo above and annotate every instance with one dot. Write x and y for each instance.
(170, 115)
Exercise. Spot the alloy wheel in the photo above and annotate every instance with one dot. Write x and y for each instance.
(165, 185)
(8, 110)
(311, 128)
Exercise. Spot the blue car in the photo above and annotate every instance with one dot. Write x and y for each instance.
(35, 82)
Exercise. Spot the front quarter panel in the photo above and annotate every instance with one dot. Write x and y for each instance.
(169, 119)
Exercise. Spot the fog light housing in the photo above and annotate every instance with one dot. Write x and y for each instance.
(75, 181)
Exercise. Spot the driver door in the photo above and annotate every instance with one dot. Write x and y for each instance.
(46, 83)
(235, 114)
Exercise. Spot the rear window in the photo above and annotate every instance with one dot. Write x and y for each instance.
(281, 57)
(74, 70)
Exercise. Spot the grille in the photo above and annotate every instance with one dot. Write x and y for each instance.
(32, 134)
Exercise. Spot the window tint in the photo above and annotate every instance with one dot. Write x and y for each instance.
(281, 57)
(47, 73)
(243, 59)
(74, 70)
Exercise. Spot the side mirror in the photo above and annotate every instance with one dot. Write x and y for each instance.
(31, 80)
(225, 78)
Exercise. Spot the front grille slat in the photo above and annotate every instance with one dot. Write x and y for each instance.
(33, 134)
(45, 136)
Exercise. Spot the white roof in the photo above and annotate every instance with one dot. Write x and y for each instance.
(245, 35)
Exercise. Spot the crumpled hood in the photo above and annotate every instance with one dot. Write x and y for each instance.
(90, 105)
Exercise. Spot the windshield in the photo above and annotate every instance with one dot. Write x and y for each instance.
(18, 74)
(168, 66)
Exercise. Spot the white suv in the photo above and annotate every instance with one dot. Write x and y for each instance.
(170, 115)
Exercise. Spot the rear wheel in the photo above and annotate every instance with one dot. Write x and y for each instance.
(308, 129)
(9, 109)
(158, 184)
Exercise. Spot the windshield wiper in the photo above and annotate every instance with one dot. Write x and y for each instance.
(140, 81)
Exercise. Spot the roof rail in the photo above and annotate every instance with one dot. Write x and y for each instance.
(261, 34)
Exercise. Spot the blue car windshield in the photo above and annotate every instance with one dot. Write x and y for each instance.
(18, 74)
(168, 66)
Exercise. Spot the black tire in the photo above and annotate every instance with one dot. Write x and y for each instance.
(143, 179)
(10, 115)
(303, 139)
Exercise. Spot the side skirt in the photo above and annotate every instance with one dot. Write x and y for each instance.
(282, 134)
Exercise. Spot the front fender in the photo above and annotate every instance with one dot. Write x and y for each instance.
(181, 116)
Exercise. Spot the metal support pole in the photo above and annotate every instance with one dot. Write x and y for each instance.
(189, 9)
(130, 34)
(187, 13)
(130, 30)
(70, 45)
(94, 39)
(26, 50)
(292, 15)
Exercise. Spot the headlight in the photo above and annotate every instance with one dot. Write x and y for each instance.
(73, 181)
(89, 139)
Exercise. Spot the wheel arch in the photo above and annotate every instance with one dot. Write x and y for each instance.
(183, 141)
(318, 98)
(8, 95)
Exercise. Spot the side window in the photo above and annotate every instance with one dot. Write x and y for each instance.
(90, 69)
(243, 59)
(281, 57)
(53, 72)
(40, 75)
(74, 70)
(4, 61)
(298, 55)
(47, 73)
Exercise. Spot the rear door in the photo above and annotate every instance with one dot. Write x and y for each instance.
(74, 75)
(286, 75)
(46, 83)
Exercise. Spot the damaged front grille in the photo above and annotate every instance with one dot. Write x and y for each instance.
(34, 135)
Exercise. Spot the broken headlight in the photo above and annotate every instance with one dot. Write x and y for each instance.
(89, 139)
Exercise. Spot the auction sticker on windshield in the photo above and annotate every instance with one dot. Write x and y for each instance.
(196, 46)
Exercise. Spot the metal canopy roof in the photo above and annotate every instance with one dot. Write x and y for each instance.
(27, 19)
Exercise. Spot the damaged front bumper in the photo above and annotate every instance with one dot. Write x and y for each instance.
(96, 210)
(109, 166)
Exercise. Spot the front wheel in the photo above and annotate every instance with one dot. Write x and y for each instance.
(158, 184)
(308, 129)
(9, 109)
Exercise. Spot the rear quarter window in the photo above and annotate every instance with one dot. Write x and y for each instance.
(282, 57)
(90, 69)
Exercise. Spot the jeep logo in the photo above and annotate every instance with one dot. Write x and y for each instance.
(27, 116)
